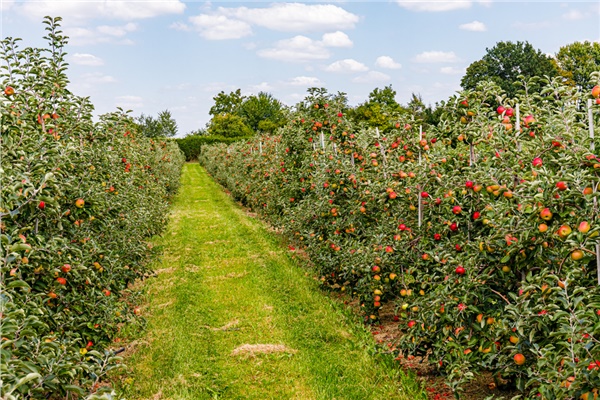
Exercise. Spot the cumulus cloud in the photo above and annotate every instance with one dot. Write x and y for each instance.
(78, 11)
(294, 17)
(79, 36)
(434, 6)
(372, 77)
(129, 101)
(452, 71)
(387, 62)
(86, 59)
(219, 27)
(436, 57)
(305, 81)
(474, 26)
(347, 65)
(237, 22)
(297, 49)
(261, 87)
(336, 39)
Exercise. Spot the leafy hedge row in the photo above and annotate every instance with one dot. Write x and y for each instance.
(79, 202)
(482, 236)
(191, 146)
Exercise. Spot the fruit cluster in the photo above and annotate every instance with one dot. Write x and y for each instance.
(79, 201)
(480, 231)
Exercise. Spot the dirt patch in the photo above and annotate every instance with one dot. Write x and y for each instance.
(228, 276)
(254, 349)
(230, 326)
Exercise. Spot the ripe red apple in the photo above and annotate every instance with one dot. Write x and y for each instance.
(375, 268)
(465, 103)
(476, 215)
(509, 112)
(457, 247)
(392, 195)
(595, 91)
(42, 205)
(456, 210)
(89, 344)
(454, 227)
(500, 110)
(564, 231)
(528, 120)
(519, 359)
(9, 91)
(546, 214)
(106, 292)
(437, 236)
(460, 270)
(402, 227)
(65, 268)
(389, 249)
(79, 203)
(424, 195)
(61, 281)
(561, 186)
(469, 184)
(584, 227)
(537, 162)
(411, 323)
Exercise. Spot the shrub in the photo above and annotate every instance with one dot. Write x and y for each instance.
(79, 202)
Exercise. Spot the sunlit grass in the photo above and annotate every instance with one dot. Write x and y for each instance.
(225, 281)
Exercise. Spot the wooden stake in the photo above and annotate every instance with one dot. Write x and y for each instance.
(518, 128)
(595, 186)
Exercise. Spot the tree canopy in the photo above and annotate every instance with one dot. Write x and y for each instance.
(162, 126)
(505, 62)
(576, 62)
(379, 109)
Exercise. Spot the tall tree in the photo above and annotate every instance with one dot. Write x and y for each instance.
(262, 113)
(228, 125)
(576, 62)
(505, 62)
(380, 109)
(227, 103)
(162, 126)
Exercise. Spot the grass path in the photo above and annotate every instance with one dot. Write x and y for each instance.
(225, 281)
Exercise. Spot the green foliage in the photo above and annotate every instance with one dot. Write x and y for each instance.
(227, 103)
(505, 63)
(78, 201)
(381, 110)
(161, 127)
(350, 199)
(577, 61)
(262, 113)
(191, 145)
(229, 126)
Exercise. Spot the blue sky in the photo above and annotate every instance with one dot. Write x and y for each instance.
(151, 55)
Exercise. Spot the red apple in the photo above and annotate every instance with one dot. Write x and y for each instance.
(61, 281)
(456, 210)
(509, 112)
(437, 236)
(9, 91)
(454, 227)
(561, 186)
(595, 91)
(42, 205)
(500, 110)
(537, 162)
(460, 270)
(476, 215)
(469, 184)
(65, 268)
(424, 195)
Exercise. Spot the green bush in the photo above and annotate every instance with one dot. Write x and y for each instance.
(488, 280)
(191, 146)
(79, 202)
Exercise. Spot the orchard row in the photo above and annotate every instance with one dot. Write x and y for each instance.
(481, 231)
(79, 202)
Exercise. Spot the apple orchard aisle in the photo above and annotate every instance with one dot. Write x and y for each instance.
(231, 315)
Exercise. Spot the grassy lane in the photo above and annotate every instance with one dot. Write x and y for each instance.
(225, 282)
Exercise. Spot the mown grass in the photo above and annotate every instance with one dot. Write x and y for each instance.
(225, 281)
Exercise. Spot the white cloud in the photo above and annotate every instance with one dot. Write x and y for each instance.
(336, 39)
(435, 5)
(347, 65)
(220, 27)
(86, 59)
(387, 62)
(372, 77)
(436, 57)
(305, 81)
(452, 71)
(294, 17)
(86, 36)
(474, 26)
(261, 87)
(297, 49)
(78, 11)
(129, 102)
(117, 31)
(574, 15)
(98, 77)
(6, 5)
